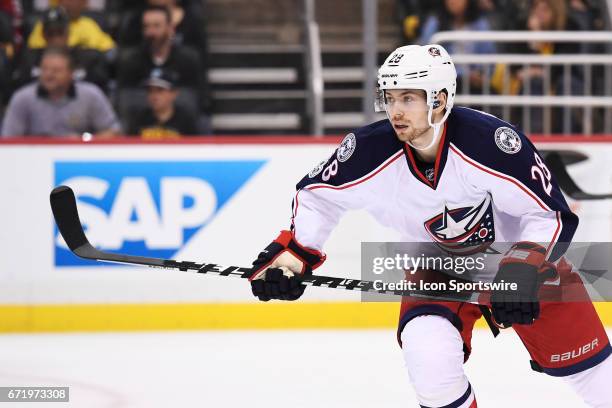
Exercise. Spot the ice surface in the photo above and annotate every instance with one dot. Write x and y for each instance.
(327, 368)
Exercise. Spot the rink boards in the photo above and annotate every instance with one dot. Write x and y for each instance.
(207, 200)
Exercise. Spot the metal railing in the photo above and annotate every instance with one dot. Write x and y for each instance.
(314, 70)
(522, 36)
(575, 96)
(370, 54)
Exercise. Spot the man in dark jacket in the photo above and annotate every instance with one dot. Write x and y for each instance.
(159, 51)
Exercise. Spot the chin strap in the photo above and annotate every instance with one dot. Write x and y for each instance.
(436, 129)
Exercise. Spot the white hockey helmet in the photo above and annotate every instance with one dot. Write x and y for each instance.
(426, 67)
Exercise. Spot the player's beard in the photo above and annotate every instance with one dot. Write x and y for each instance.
(412, 134)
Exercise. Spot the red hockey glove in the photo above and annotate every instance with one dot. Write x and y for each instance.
(278, 268)
(525, 265)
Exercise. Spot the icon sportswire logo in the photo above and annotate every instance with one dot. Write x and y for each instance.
(147, 208)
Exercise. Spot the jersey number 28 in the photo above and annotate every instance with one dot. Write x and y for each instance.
(540, 171)
(330, 171)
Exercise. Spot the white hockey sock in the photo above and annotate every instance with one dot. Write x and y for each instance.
(593, 385)
(433, 354)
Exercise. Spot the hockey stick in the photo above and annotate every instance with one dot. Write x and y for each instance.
(555, 164)
(64, 207)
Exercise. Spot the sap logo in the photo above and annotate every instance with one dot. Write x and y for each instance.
(147, 208)
(134, 215)
(555, 358)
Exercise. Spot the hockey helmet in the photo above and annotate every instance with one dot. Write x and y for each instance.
(426, 67)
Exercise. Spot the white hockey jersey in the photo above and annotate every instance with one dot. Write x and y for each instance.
(488, 183)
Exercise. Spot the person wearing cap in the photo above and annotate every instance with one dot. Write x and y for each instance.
(57, 105)
(89, 64)
(163, 118)
(83, 31)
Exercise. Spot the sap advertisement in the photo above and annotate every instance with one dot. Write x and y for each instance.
(148, 208)
(210, 202)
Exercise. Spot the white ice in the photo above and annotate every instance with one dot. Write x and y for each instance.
(327, 368)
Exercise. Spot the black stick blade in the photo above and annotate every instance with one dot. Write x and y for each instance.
(63, 205)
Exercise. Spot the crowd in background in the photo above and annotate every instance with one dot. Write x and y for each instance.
(110, 67)
(421, 20)
(129, 67)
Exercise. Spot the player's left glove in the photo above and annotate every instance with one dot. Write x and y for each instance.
(525, 265)
(278, 269)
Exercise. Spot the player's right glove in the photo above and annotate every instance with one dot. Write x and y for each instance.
(279, 267)
(525, 265)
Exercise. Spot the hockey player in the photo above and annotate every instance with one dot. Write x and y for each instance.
(410, 171)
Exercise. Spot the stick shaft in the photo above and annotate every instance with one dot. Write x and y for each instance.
(65, 212)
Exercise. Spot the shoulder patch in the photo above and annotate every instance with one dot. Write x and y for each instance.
(318, 168)
(507, 140)
(346, 148)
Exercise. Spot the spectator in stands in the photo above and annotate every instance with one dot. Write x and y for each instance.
(413, 14)
(57, 105)
(11, 26)
(504, 14)
(461, 15)
(188, 24)
(159, 51)
(83, 31)
(163, 118)
(89, 64)
(584, 15)
(544, 15)
(10, 40)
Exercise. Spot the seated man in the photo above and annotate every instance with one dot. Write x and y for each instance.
(159, 51)
(163, 118)
(187, 19)
(89, 64)
(56, 105)
(83, 32)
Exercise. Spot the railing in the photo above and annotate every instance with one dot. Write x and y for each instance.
(370, 55)
(522, 36)
(314, 69)
(568, 99)
(587, 102)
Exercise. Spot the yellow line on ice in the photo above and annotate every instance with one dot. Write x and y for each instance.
(208, 316)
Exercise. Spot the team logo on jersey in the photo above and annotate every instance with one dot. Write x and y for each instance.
(507, 140)
(347, 147)
(463, 230)
(429, 174)
(434, 52)
(318, 168)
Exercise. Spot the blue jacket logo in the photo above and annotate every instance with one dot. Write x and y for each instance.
(147, 208)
